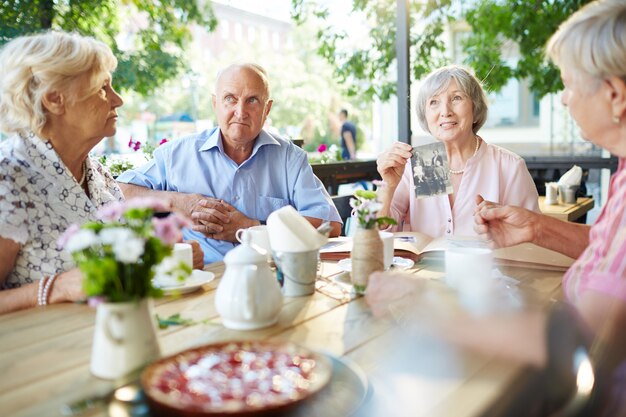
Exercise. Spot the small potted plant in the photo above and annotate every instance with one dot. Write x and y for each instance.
(118, 257)
(367, 247)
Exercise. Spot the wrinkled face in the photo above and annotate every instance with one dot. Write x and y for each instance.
(588, 102)
(450, 114)
(93, 117)
(241, 104)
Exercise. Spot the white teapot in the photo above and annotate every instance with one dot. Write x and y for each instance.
(248, 296)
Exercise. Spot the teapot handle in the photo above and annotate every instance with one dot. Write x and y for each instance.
(249, 305)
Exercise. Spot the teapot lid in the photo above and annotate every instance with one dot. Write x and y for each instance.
(246, 253)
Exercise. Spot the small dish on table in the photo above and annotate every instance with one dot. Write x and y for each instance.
(193, 283)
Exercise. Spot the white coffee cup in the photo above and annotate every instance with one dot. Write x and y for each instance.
(469, 270)
(256, 236)
(387, 238)
(296, 272)
(182, 252)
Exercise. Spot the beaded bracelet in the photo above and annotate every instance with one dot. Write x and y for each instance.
(42, 284)
(46, 291)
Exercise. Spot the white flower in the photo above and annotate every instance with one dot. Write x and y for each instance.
(167, 266)
(82, 239)
(169, 272)
(128, 251)
(113, 235)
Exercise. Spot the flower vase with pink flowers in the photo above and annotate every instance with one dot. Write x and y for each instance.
(367, 247)
(118, 257)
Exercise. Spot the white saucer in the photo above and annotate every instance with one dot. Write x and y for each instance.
(398, 263)
(197, 279)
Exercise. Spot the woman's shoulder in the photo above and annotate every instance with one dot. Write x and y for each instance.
(14, 161)
(503, 154)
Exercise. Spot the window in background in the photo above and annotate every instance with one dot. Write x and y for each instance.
(224, 29)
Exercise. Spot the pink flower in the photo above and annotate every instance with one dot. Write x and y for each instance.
(322, 148)
(137, 146)
(67, 235)
(94, 301)
(130, 142)
(164, 140)
(112, 211)
(167, 230)
(147, 202)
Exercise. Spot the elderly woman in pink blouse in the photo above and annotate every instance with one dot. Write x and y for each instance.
(452, 106)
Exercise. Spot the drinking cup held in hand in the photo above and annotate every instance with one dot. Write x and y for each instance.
(296, 272)
(183, 252)
(387, 238)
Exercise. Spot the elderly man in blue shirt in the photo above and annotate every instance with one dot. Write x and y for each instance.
(233, 176)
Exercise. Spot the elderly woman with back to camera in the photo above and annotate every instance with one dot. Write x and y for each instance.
(57, 101)
(590, 50)
(452, 106)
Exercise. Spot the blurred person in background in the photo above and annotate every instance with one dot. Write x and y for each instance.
(348, 136)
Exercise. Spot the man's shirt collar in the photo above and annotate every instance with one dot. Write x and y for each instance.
(215, 140)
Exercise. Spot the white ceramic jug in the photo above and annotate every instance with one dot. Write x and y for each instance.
(248, 296)
(124, 338)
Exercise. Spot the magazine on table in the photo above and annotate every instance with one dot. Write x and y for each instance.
(415, 245)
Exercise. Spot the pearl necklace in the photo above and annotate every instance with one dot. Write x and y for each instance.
(460, 171)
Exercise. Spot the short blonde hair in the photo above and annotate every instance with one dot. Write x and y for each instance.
(439, 79)
(32, 66)
(593, 40)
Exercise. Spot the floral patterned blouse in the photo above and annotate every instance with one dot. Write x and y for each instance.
(39, 199)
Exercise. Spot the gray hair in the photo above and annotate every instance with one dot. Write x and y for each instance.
(32, 66)
(593, 40)
(439, 79)
(249, 66)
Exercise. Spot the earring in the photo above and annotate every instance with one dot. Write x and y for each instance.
(616, 120)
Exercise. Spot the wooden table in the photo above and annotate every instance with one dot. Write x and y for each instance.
(45, 351)
(568, 212)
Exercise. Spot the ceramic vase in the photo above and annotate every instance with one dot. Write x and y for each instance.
(124, 338)
(367, 256)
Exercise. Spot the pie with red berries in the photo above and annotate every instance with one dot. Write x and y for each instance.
(234, 378)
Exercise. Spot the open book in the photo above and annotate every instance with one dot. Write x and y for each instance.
(414, 245)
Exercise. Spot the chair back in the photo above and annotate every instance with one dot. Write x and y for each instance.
(342, 203)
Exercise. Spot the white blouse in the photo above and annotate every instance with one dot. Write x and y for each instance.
(39, 199)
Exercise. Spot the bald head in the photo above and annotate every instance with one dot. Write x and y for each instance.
(248, 69)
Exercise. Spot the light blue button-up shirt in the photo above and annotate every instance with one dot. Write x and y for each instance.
(276, 174)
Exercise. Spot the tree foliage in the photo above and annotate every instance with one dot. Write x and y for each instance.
(154, 33)
(496, 29)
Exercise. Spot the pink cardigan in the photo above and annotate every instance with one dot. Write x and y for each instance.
(495, 173)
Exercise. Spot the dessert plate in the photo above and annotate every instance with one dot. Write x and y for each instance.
(197, 279)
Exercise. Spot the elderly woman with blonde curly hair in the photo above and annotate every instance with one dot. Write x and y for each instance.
(57, 101)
